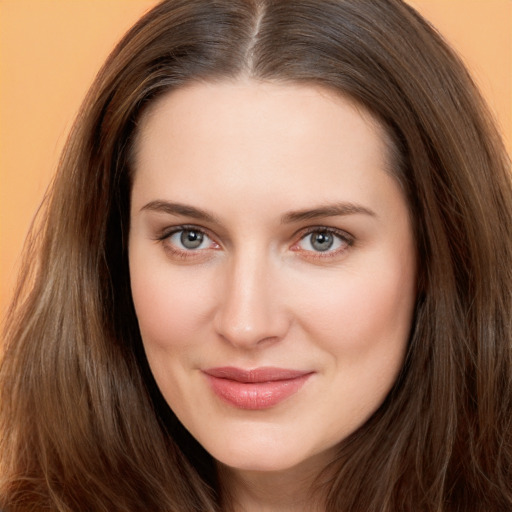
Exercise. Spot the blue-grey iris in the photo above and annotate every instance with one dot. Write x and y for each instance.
(322, 241)
(191, 239)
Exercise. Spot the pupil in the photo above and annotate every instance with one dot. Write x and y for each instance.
(322, 241)
(191, 239)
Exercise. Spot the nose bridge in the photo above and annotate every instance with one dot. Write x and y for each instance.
(248, 311)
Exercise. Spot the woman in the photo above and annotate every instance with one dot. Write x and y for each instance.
(274, 273)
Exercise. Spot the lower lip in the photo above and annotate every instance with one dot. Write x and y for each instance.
(255, 395)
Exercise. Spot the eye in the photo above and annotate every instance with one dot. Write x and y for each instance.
(190, 239)
(187, 244)
(323, 240)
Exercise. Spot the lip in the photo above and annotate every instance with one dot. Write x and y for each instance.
(260, 388)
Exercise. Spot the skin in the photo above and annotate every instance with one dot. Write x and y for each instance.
(257, 292)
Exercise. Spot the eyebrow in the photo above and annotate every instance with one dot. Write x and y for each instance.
(332, 210)
(180, 209)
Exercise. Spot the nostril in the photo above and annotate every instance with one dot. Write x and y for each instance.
(250, 327)
(247, 336)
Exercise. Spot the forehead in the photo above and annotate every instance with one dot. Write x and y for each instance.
(252, 104)
(247, 136)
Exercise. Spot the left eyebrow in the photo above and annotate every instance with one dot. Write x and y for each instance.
(332, 210)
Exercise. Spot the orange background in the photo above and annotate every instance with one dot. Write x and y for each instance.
(50, 51)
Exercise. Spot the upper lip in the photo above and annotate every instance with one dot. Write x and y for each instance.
(262, 374)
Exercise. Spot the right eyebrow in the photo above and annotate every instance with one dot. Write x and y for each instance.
(169, 208)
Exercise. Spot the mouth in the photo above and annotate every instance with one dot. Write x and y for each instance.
(260, 388)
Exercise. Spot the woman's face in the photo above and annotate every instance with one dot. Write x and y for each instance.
(272, 267)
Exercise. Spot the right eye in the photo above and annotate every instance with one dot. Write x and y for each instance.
(190, 239)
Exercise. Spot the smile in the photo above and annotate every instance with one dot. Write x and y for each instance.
(256, 389)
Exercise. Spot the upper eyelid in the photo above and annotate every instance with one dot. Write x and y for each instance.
(330, 229)
(167, 232)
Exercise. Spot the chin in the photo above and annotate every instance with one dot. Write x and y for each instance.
(263, 463)
(267, 457)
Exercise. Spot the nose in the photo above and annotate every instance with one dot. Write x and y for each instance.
(251, 312)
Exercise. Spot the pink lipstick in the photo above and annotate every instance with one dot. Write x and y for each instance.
(260, 388)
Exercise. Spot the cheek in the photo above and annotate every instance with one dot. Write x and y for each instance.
(170, 306)
(171, 309)
(363, 323)
(360, 311)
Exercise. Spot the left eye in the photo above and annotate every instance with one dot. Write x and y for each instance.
(322, 241)
(190, 239)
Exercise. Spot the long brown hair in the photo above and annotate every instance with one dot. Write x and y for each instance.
(83, 425)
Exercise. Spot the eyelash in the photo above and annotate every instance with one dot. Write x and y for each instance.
(184, 254)
(346, 239)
